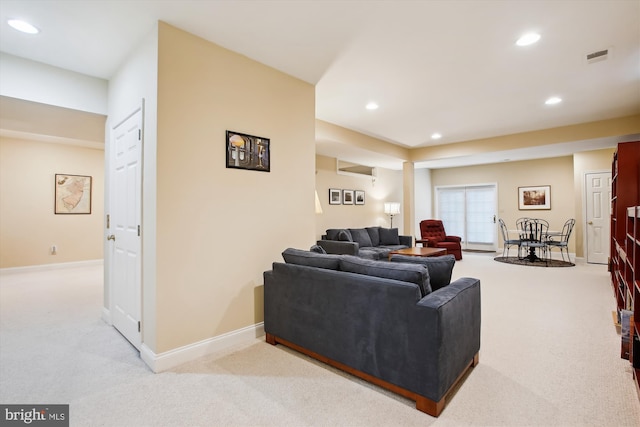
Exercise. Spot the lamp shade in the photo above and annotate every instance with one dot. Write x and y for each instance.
(392, 208)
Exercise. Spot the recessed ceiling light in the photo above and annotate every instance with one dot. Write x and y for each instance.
(22, 26)
(527, 39)
(372, 106)
(436, 136)
(553, 100)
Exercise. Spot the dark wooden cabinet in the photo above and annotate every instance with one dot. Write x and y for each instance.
(625, 245)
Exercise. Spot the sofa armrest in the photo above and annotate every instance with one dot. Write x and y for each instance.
(455, 312)
(452, 239)
(339, 247)
(406, 241)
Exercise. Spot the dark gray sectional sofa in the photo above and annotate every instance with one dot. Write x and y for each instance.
(401, 324)
(369, 242)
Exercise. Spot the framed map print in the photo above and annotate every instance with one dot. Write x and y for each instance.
(72, 194)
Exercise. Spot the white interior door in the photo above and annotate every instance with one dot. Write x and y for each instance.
(598, 223)
(470, 212)
(125, 227)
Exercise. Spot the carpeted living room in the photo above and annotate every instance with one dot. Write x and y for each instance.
(550, 356)
(265, 213)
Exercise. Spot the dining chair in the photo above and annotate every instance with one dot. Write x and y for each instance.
(563, 242)
(533, 238)
(505, 238)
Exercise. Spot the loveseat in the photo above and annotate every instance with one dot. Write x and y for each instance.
(369, 242)
(401, 325)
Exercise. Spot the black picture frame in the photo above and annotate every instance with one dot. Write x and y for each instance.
(248, 152)
(347, 197)
(335, 196)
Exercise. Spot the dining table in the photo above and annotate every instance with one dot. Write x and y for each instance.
(537, 241)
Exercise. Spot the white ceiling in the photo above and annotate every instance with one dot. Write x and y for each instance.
(432, 66)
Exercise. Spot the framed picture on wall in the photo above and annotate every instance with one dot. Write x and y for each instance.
(359, 198)
(347, 197)
(534, 198)
(72, 194)
(335, 196)
(248, 152)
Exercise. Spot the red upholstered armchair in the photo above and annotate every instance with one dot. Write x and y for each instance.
(432, 234)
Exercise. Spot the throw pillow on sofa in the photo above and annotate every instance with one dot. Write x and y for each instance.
(317, 249)
(361, 236)
(440, 268)
(406, 273)
(389, 236)
(311, 259)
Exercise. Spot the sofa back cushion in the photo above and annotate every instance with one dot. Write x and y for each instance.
(374, 234)
(311, 259)
(389, 236)
(417, 274)
(361, 236)
(440, 268)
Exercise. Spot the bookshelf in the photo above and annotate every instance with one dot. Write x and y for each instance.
(624, 263)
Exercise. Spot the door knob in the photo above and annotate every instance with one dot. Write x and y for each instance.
(590, 223)
(111, 237)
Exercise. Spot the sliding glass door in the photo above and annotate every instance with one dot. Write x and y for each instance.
(469, 212)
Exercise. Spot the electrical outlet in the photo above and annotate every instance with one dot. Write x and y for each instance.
(54, 250)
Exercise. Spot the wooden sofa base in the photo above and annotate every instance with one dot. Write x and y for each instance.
(422, 403)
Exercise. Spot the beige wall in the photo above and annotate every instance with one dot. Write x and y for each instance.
(28, 225)
(219, 229)
(556, 172)
(387, 187)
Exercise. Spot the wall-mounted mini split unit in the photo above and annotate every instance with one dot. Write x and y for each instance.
(348, 168)
(598, 56)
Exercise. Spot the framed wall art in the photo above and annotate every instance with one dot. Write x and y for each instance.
(72, 194)
(534, 198)
(248, 152)
(347, 197)
(359, 198)
(335, 196)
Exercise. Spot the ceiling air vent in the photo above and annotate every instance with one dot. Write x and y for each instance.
(598, 56)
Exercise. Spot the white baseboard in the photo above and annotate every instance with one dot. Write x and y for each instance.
(172, 358)
(106, 316)
(45, 267)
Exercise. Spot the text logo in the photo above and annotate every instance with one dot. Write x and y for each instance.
(34, 415)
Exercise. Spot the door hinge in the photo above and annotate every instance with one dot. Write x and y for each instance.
(138, 326)
(139, 134)
(108, 221)
(138, 231)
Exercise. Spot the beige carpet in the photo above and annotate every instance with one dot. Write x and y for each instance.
(549, 357)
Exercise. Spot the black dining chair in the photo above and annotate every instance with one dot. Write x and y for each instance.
(533, 239)
(505, 238)
(563, 239)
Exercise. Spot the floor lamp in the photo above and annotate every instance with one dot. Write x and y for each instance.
(391, 209)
